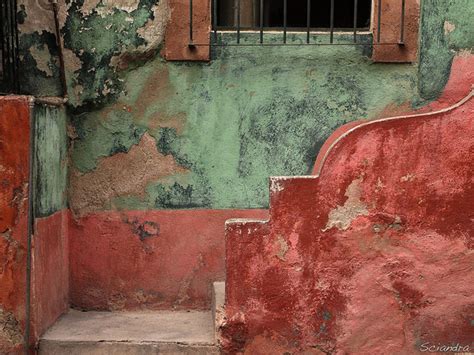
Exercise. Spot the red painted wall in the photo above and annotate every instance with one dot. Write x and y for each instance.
(14, 133)
(374, 256)
(148, 259)
(50, 270)
(49, 283)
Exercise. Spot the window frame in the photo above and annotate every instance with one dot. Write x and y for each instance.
(180, 46)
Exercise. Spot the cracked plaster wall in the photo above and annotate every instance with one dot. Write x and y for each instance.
(224, 131)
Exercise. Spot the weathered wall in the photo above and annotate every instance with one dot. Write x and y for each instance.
(99, 37)
(50, 249)
(151, 134)
(214, 134)
(148, 260)
(39, 64)
(49, 275)
(373, 256)
(446, 29)
(14, 162)
(219, 132)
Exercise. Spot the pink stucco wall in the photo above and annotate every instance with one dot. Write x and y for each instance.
(374, 255)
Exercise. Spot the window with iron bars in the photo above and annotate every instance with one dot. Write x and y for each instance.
(9, 68)
(310, 16)
(295, 14)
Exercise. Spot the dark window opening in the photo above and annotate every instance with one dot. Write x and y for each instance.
(9, 56)
(273, 14)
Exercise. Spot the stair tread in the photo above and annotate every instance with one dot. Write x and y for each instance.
(184, 327)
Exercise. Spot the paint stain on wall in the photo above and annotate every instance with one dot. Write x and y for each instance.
(143, 229)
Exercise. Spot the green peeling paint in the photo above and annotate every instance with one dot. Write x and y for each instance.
(32, 80)
(50, 160)
(250, 113)
(96, 39)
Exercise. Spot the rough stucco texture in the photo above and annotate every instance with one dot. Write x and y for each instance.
(148, 260)
(50, 261)
(225, 130)
(14, 117)
(446, 29)
(50, 242)
(49, 296)
(374, 256)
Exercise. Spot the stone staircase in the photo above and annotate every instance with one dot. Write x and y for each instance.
(135, 333)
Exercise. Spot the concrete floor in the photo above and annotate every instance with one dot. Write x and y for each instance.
(163, 332)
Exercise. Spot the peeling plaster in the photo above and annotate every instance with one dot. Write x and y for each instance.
(72, 62)
(282, 248)
(120, 175)
(448, 27)
(342, 216)
(109, 6)
(276, 186)
(39, 17)
(407, 177)
(154, 30)
(42, 58)
(63, 13)
(101, 53)
(88, 6)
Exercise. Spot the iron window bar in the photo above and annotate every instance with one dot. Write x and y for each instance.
(402, 24)
(214, 20)
(379, 19)
(331, 23)
(308, 21)
(285, 19)
(238, 21)
(9, 75)
(355, 21)
(261, 21)
(309, 30)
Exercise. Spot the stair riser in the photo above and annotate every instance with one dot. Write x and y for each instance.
(119, 348)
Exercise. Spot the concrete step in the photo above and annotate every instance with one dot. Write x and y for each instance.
(131, 333)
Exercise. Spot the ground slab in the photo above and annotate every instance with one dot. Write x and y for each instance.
(131, 333)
